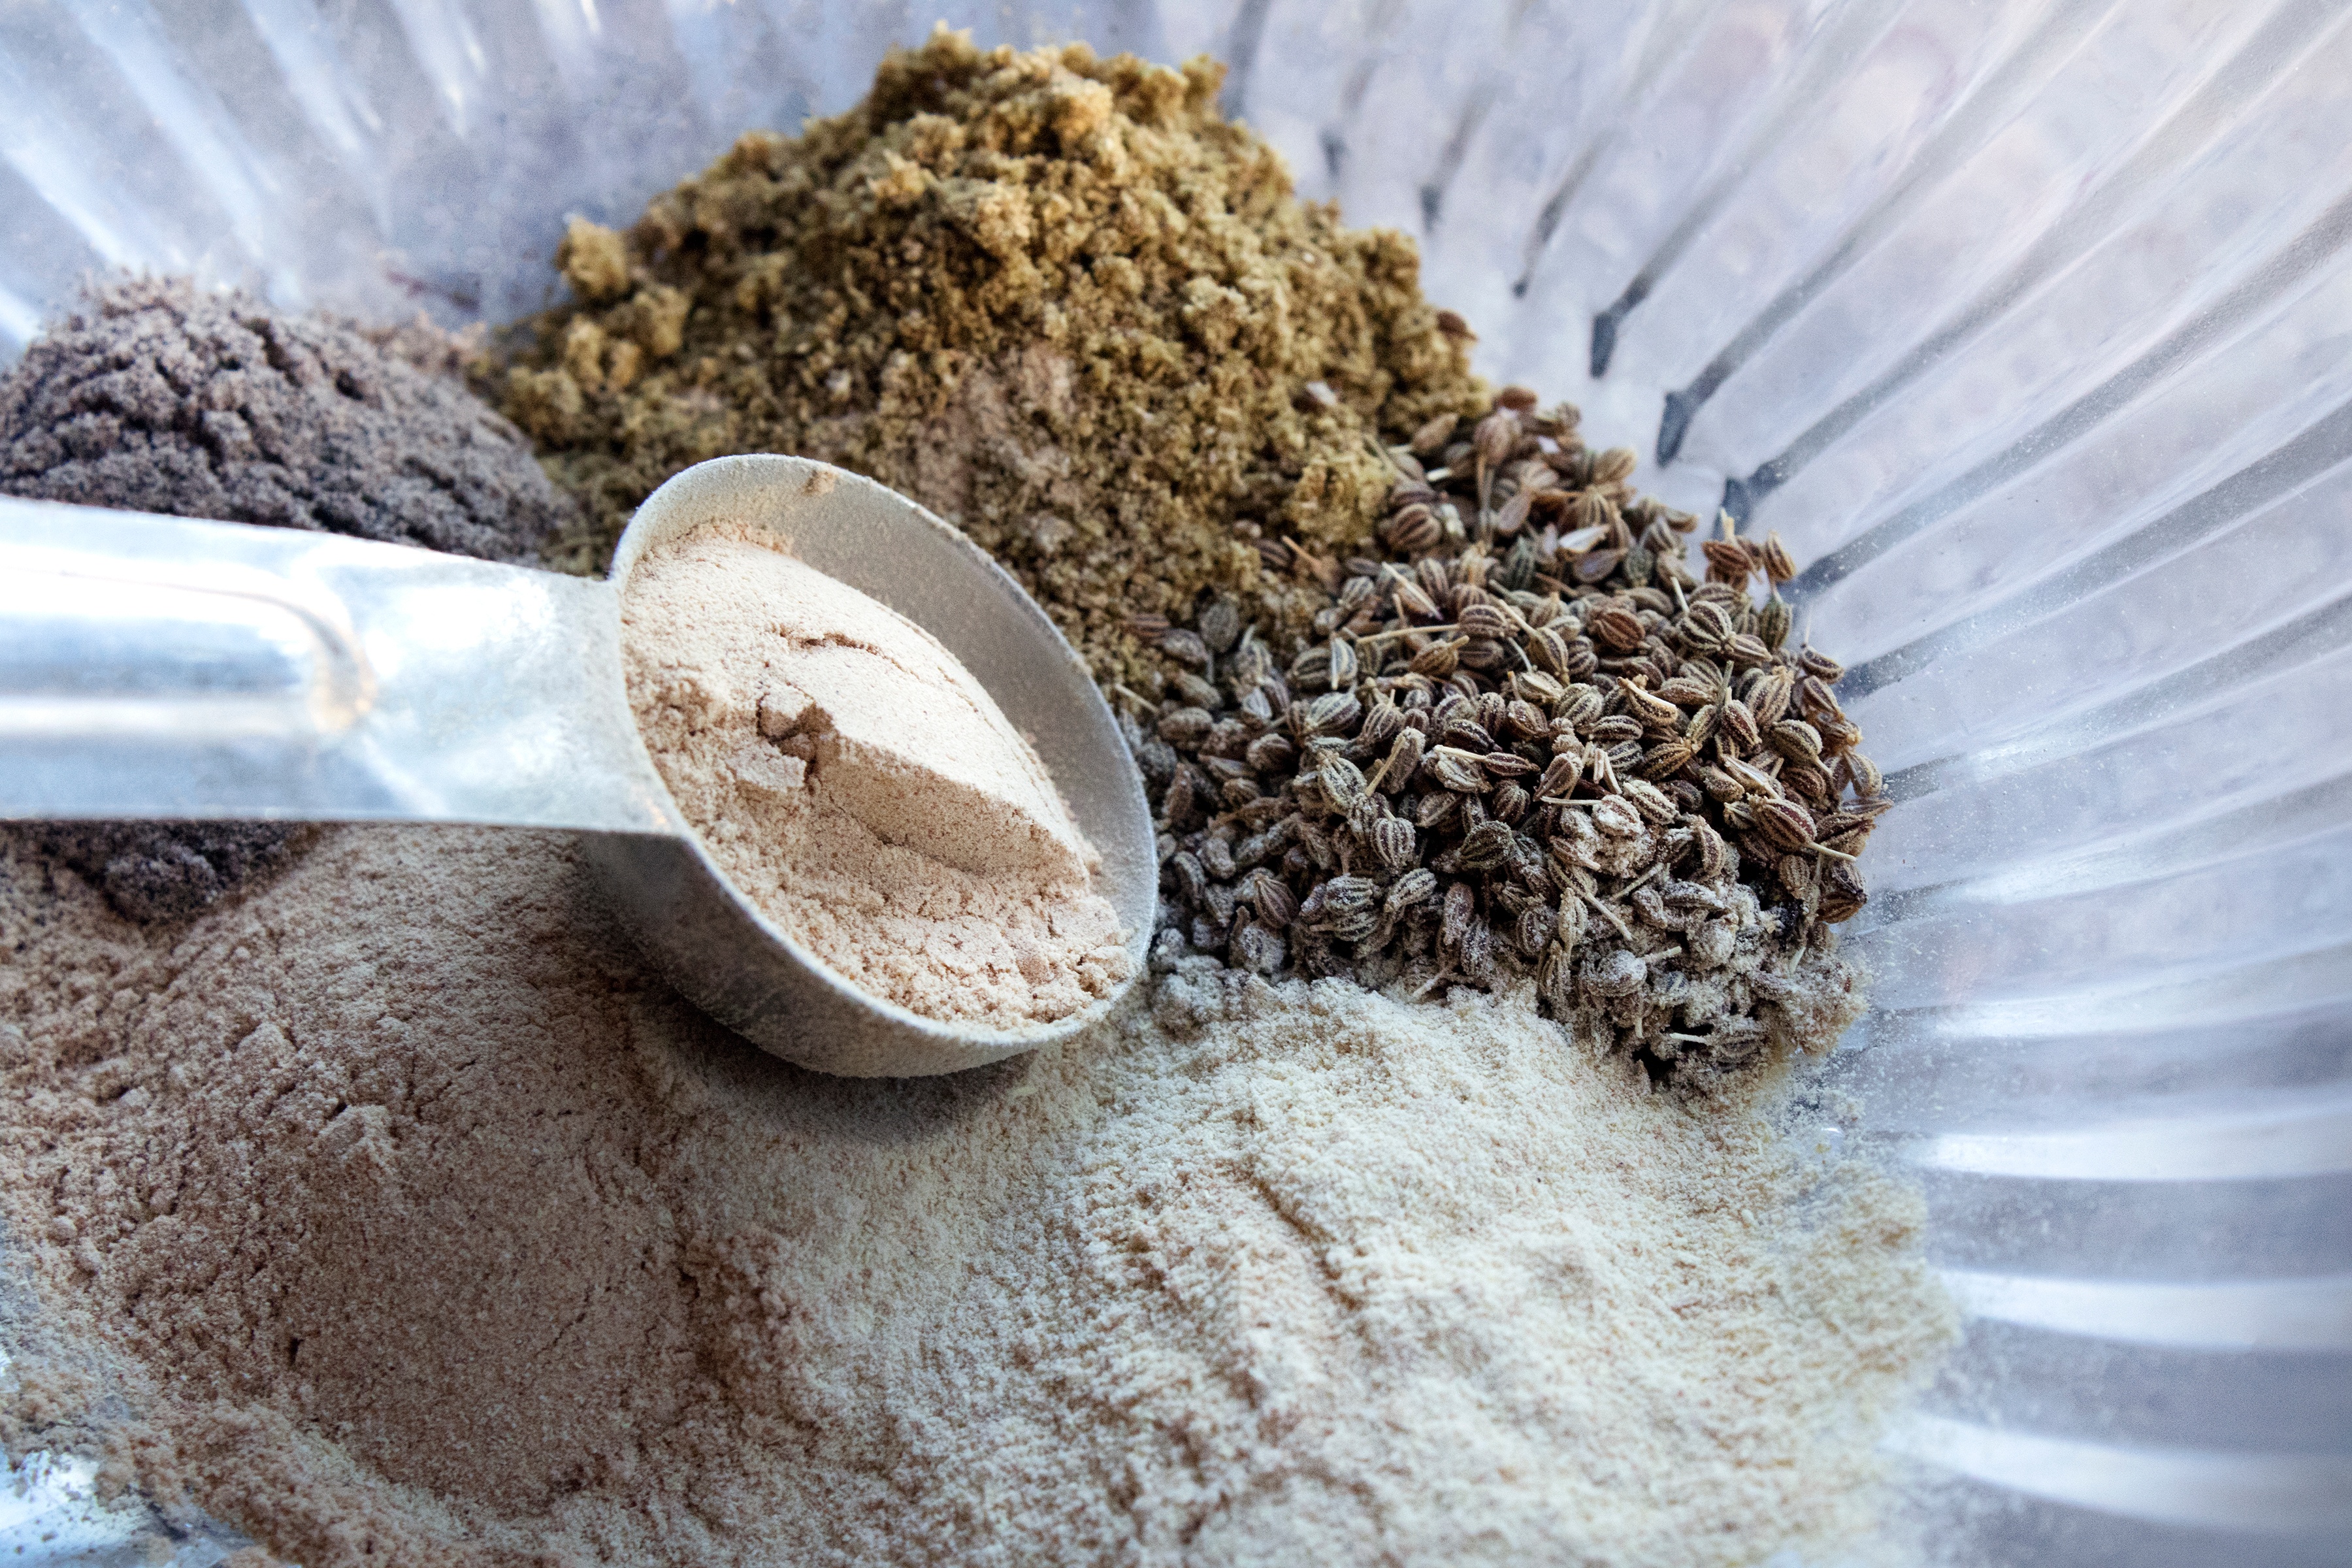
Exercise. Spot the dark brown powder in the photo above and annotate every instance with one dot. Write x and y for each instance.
(156, 397)
(1054, 298)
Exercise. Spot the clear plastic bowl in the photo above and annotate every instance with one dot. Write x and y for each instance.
(2028, 322)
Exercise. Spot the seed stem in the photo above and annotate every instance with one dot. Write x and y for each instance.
(1405, 631)
(1607, 913)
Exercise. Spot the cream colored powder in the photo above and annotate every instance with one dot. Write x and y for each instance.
(426, 1227)
(861, 787)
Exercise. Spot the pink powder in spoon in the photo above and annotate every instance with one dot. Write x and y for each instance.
(861, 788)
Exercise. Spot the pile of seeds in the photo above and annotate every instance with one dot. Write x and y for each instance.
(1529, 737)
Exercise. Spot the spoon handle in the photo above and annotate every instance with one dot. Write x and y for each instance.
(156, 668)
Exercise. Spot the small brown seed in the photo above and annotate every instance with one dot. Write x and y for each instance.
(1810, 781)
(1796, 740)
(1814, 662)
(1614, 973)
(1186, 726)
(1650, 800)
(1727, 560)
(1272, 755)
(1333, 714)
(1747, 652)
(1649, 710)
(1415, 531)
(1555, 975)
(1477, 952)
(1775, 559)
(1512, 515)
(1439, 659)
(1460, 908)
(1494, 436)
(1271, 897)
(1615, 464)
(1707, 626)
(1404, 760)
(1616, 818)
(1453, 772)
(1190, 690)
(1185, 648)
(1485, 620)
(1595, 567)
(1616, 729)
(1221, 624)
(1783, 823)
(1532, 931)
(1485, 846)
(1862, 774)
(1795, 874)
(1414, 888)
(1483, 654)
(1393, 844)
(1666, 759)
(1736, 726)
(1613, 628)
(1341, 780)
(1843, 895)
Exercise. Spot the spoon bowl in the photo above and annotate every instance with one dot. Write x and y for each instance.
(706, 936)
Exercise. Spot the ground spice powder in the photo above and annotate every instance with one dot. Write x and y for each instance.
(1056, 299)
(425, 1226)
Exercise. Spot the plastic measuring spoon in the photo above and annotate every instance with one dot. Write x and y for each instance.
(158, 668)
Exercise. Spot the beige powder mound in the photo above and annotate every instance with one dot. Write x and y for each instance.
(427, 1228)
(862, 788)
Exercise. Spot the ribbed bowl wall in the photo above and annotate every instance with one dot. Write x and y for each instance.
(2028, 322)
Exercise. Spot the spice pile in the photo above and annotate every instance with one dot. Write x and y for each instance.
(397, 1213)
(429, 1227)
(1055, 299)
(1527, 738)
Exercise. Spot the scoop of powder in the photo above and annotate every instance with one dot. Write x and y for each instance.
(861, 787)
